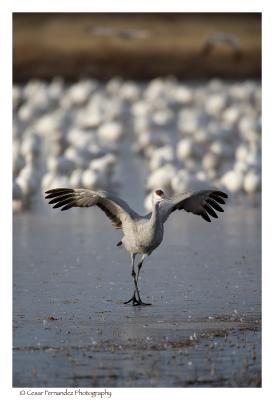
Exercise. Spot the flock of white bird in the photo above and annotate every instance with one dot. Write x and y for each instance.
(192, 135)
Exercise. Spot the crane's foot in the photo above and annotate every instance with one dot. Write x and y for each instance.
(137, 302)
(141, 303)
(134, 300)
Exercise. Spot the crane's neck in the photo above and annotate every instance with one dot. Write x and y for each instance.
(155, 215)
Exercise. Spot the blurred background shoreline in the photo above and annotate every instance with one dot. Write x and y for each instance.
(136, 46)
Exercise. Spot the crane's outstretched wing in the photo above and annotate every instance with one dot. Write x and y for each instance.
(202, 202)
(115, 208)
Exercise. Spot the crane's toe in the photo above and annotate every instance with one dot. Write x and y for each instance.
(133, 299)
(136, 302)
(141, 303)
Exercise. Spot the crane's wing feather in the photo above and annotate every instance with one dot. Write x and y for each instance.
(203, 202)
(115, 208)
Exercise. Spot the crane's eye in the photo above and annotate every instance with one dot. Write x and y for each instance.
(159, 192)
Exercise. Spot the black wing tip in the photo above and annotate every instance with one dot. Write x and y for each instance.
(63, 197)
(221, 194)
(213, 202)
(66, 208)
(52, 201)
(205, 216)
(56, 190)
(210, 211)
(218, 199)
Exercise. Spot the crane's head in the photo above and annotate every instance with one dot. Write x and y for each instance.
(157, 196)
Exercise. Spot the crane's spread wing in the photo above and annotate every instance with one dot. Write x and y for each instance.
(202, 202)
(115, 208)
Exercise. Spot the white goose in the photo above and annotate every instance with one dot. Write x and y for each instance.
(142, 234)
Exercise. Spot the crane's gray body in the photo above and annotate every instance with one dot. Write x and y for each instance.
(143, 235)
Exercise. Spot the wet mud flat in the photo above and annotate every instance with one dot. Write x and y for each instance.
(71, 328)
(226, 356)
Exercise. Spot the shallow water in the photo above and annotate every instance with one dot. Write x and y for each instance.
(71, 327)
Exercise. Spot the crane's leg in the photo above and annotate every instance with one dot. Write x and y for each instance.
(140, 265)
(138, 272)
(134, 299)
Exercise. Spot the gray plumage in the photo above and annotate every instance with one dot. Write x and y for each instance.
(141, 234)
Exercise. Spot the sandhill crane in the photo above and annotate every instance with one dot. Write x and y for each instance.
(142, 234)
